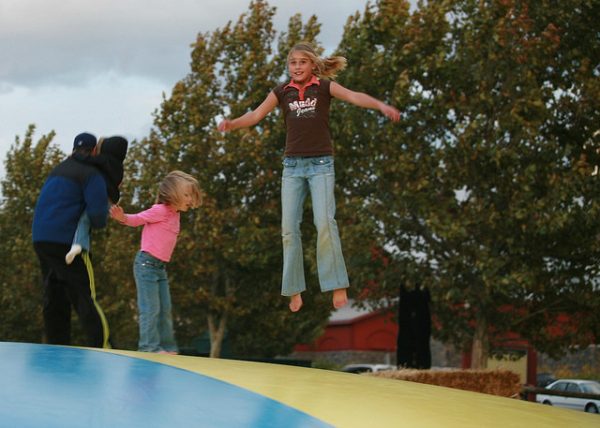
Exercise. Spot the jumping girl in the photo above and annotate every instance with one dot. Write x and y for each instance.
(308, 165)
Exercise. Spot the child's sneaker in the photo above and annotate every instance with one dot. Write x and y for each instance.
(73, 252)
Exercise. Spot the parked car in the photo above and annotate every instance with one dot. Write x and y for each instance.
(544, 379)
(572, 385)
(367, 368)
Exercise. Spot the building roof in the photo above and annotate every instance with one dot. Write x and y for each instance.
(350, 313)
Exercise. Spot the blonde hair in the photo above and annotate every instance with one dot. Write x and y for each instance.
(324, 67)
(173, 186)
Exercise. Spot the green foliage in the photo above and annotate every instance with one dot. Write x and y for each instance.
(27, 165)
(484, 193)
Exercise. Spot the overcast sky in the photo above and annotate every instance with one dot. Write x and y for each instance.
(102, 66)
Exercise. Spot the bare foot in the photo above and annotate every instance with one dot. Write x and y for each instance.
(73, 252)
(295, 302)
(340, 298)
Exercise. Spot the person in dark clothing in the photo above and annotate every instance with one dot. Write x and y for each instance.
(73, 187)
(108, 156)
(414, 322)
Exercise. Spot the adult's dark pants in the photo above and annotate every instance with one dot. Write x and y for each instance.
(69, 287)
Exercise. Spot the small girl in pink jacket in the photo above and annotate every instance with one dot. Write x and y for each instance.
(177, 192)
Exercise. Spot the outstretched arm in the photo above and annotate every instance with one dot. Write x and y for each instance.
(363, 100)
(252, 117)
(117, 213)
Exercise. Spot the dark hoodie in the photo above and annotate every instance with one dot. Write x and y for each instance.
(111, 156)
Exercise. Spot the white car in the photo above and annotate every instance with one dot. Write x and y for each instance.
(572, 385)
(367, 368)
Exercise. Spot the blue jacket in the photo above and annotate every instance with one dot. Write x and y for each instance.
(72, 187)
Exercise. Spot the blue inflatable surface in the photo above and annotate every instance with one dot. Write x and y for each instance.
(53, 386)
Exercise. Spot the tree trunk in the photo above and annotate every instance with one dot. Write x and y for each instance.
(480, 346)
(217, 333)
(217, 322)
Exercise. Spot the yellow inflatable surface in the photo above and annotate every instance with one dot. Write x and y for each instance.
(350, 400)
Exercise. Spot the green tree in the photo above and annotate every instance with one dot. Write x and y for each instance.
(484, 193)
(27, 165)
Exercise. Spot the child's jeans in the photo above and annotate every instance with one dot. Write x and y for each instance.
(317, 175)
(82, 234)
(154, 304)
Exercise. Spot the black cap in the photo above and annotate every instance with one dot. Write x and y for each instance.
(84, 140)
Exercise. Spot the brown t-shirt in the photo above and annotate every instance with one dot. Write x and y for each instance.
(306, 116)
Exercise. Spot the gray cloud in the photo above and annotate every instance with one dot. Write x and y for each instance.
(66, 42)
(58, 41)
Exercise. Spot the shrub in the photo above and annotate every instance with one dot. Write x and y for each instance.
(497, 382)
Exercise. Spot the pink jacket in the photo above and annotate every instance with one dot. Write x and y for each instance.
(161, 227)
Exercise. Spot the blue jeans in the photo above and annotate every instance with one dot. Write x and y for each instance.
(317, 175)
(82, 234)
(154, 304)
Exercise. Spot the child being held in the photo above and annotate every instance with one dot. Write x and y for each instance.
(108, 157)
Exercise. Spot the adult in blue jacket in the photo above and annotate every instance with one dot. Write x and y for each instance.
(73, 187)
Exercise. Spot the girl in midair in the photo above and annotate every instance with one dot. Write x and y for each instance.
(308, 165)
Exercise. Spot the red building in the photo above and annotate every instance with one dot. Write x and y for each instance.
(352, 329)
